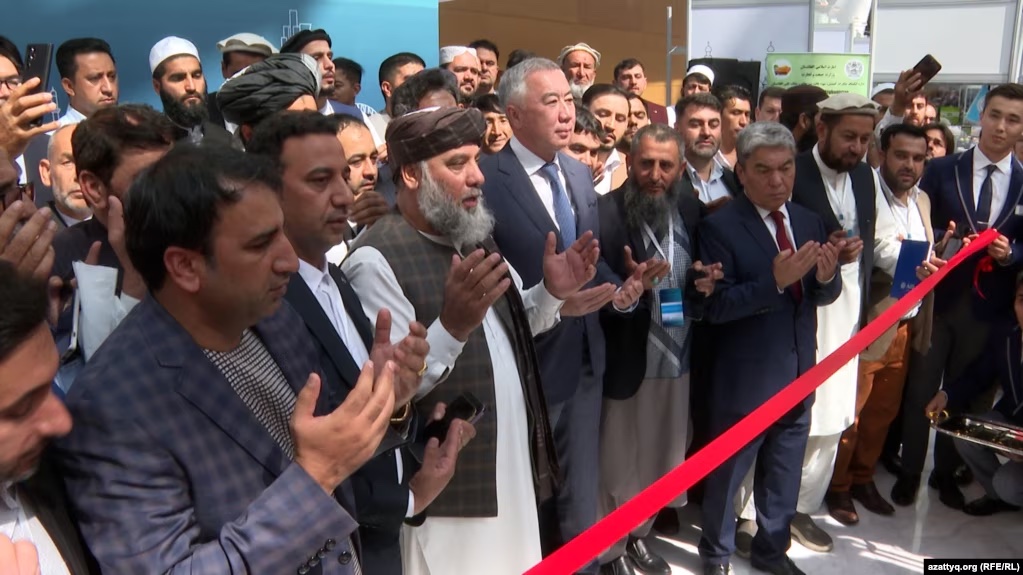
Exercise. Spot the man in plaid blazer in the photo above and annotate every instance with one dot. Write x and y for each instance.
(180, 460)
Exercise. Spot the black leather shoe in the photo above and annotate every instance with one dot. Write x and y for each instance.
(745, 531)
(963, 475)
(806, 532)
(666, 522)
(869, 497)
(620, 566)
(893, 463)
(783, 567)
(840, 506)
(987, 506)
(904, 490)
(645, 559)
(711, 569)
(948, 491)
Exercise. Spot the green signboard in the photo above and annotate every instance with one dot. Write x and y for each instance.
(835, 73)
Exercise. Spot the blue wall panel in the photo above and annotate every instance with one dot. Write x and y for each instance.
(366, 31)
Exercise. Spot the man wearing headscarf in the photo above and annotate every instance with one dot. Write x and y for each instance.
(281, 82)
(436, 262)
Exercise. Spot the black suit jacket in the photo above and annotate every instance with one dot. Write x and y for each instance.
(44, 492)
(626, 334)
(809, 192)
(380, 502)
(216, 117)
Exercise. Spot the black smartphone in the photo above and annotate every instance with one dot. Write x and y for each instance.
(38, 58)
(465, 407)
(928, 68)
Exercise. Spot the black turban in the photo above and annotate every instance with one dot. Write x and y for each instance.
(425, 134)
(267, 87)
(299, 40)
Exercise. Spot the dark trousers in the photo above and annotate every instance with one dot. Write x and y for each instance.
(576, 426)
(957, 339)
(779, 461)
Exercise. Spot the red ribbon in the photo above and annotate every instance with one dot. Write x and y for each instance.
(985, 265)
(581, 550)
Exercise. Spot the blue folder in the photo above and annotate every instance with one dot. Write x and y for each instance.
(913, 253)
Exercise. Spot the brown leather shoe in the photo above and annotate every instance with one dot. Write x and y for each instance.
(870, 498)
(840, 506)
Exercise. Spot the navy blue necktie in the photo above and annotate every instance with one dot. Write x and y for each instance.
(562, 207)
(984, 214)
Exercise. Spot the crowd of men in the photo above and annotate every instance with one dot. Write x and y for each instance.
(233, 329)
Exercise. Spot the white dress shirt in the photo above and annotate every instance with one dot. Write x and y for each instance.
(906, 222)
(101, 308)
(613, 162)
(72, 116)
(999, 181)
(840, 194)
(22, 174)
(532, 164)
(19, 522)
(328, 295)
(711, 190)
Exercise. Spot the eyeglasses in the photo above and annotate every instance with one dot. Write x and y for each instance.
(17, 192)
(12, 83)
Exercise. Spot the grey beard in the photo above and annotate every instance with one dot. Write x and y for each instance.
(642, 208)
(578, 90)
(448, 217)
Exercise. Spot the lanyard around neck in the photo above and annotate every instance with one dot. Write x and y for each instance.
(670, 256)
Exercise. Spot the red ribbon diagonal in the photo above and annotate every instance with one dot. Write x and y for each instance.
(581, 550)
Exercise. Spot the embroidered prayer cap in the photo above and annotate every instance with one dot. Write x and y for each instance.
(430, 132)
(303, 37)
(580, 47)
(449, 53)
(847, 104)
(246, 42)
(702, 70)
(169, 47)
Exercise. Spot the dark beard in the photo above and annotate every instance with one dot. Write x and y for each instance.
(643, 208)
(188, 116)
(807, 141)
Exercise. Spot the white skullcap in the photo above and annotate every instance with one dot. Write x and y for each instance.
(883, 87)
(449, 53)
(168, 47)
(247, 42)
(580, 47)
(703, 71)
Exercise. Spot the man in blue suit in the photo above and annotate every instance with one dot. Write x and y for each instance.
(533, 188)
(970, 192)
(202, 443)
(765, 313)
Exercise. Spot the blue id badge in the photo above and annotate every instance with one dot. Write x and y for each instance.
(671, 307)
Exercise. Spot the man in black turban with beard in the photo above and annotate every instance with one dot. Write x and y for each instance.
(281, 82)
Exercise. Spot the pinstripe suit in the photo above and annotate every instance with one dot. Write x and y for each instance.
(167, 470)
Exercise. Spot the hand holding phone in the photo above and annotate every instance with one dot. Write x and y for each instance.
(38, 58)
(466, 407)
(928, 68)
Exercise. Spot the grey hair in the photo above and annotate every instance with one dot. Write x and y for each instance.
(513, 83)
(763, 135)
(660, 133)
(49, 145)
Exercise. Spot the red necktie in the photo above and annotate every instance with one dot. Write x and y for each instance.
(784, 244)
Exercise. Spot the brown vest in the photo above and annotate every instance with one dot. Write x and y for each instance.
(421, 268)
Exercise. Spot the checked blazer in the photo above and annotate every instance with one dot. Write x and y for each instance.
(168, 471)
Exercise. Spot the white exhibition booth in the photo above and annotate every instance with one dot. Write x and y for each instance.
(976, 41)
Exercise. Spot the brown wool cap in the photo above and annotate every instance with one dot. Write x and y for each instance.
(428, 133)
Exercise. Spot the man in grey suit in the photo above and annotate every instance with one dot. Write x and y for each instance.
(534, 189)
(202, 441)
